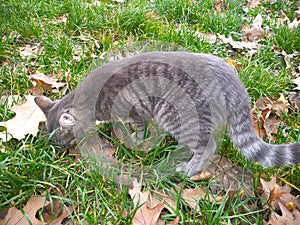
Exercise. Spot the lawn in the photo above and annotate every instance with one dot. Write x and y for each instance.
(65, 40)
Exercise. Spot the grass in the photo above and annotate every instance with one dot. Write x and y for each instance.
(61, 28)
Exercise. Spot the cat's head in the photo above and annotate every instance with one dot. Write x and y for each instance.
(60, 120)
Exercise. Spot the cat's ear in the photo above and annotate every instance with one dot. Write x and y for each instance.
(66, 120)
(44, 103)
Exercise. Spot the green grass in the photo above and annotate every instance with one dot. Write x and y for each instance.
(35, 165)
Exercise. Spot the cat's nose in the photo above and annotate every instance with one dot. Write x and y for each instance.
(66, 121)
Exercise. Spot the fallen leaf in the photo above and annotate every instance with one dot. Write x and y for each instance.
(238, 44)
(233, 63)
(52, 214)
(258, 123)
(287, 218)
(56, 213)
(281, 105)
(253, 3)
(271, 126)
(27, 119)
(148, 215)
(229, 177)
(294, 24)
(192, 196)
(203, 175)
(138, 197)
(42, 83)
(148, 207)
(10, 100)
(29, 51)
(297, 82)
(276, 194)
(175, 222)
(16, 217)
(255, 32)
(265, 115)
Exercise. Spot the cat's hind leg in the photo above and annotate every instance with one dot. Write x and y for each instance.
(199, 160)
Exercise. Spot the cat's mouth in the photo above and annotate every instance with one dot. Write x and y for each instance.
(64, 138)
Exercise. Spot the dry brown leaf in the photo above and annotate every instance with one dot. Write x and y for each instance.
(42, 83)
(150, 208)
(175, 222)
(264, 120)
(281, 105)
(192, 196)
(148, 215)
(287, 218)
(276, 193)
(16, 217)
(10, 100)
(56, 213)
(294, 24)
(27, 119)
(202, 175)
(271, 126)
(255, 32)
(52, 214)
(258, 123)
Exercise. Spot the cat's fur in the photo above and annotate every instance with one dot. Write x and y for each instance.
(203, 94)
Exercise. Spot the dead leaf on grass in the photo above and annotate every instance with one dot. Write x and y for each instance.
(42, 83)
(192, 196)
(203, 175)
(30, 51)
(27, 119)
(229, 177)
(281, 105)
(239, 44)
(255, 32)
(280, 199)
(265, 115)
(250, 4)
(150, 208)
(16, 217)
(53, 214)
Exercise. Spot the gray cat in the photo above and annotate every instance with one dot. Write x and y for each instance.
(188, 95)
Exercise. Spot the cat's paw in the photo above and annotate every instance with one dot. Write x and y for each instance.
(187, 169)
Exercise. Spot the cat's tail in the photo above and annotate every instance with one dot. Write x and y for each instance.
(255, 149)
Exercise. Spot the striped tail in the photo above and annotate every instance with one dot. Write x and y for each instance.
(255, 149)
